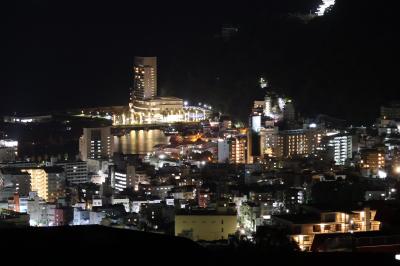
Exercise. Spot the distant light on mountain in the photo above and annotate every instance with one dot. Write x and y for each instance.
(326, 4)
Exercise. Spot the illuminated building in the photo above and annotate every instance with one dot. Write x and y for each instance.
(121, 180)
(208, 225)
(238, 147)
(203, 198)
(253, 215)
(75, 172)
(298, 142)
(145, 107)
(158, 110)
(145, 78)
(373, 159)
(223, 151)
(292, 143)
(258, 107)
(96, 143)
(338, 147)
(304, 227)
(232, 150)
(48, 182)
(274, 106)
(269, 140)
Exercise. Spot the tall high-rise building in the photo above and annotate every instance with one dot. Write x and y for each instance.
(338, 147)
(223, 151)
(96, 143)
(232, 150)
(48, 182)
(237, 150)
(145, 78)
(269, 140)
(373, 159)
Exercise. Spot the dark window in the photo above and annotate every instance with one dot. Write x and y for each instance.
(316, 228)
(330, 217)
(222, 229)
(222, 221)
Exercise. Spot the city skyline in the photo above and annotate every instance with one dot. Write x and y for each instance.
(200, 132)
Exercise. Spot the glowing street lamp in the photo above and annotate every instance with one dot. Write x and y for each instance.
(397, 169)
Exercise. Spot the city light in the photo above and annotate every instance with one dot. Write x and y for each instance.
(397, 169)
(382, 174)
(324, 6)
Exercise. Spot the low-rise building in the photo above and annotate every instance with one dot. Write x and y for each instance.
(304, 227)
(208, 225)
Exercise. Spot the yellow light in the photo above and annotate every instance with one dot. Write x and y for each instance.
(397, 169)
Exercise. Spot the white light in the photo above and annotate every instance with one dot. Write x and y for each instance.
(382, 174)
(313, 125)
(185, 103)
(326, 4)
(397, 256)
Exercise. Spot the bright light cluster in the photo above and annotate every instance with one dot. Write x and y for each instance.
(326, 4)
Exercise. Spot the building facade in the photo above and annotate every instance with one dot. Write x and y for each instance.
(145, 78)
(96, 143)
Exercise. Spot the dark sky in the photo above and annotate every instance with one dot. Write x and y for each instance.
(58, 54)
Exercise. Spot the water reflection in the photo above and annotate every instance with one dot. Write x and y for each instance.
(140, 141)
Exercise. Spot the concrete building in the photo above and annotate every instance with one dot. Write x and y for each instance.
(96, 143)
(37, 210)
(123, 201)
(269, 140)
(299, 142)
(161, 191)
(14, 219)
(205, 224)
(391, 112)
(232, 150)
(338, 147)
(75, 172)
(145, 78)
(253, 215)
(237, 150)
(223, 151)
(122, 179)
(292, 143)
(15, 181)
(8, 150)
(304, 227)
(289, 113)
(373, 160)
(48, 182)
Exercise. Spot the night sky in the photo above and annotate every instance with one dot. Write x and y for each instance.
(61, 54)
